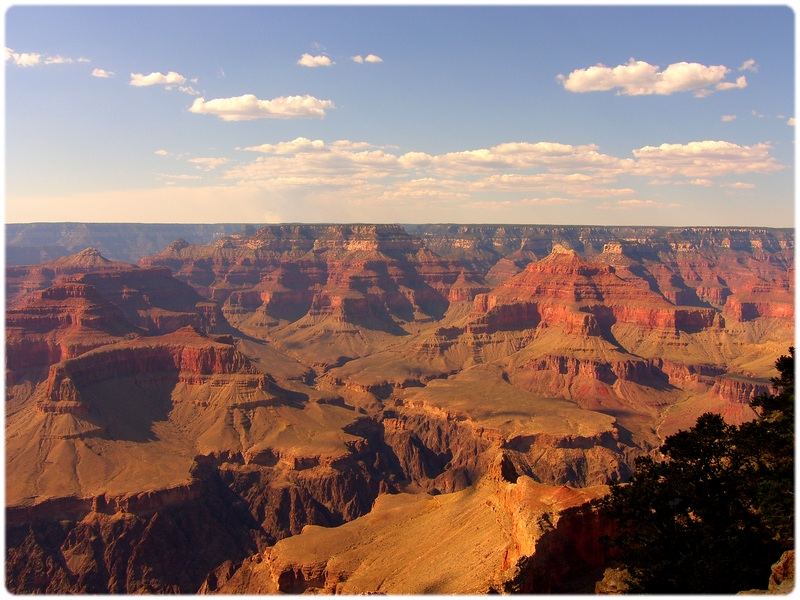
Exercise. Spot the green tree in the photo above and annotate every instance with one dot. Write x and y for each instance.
(717, 511)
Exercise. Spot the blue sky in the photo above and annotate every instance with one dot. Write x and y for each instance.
(463, 120)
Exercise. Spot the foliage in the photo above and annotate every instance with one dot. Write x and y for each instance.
(715, 514)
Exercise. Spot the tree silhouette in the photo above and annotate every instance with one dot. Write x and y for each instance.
(715, 514)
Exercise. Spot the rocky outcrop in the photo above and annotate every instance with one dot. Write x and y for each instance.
(87, 301)
(739, 390)
(336, 408)
(637, 371)
(499, 523)
(568, 555)
(191, 357)
(160, 542)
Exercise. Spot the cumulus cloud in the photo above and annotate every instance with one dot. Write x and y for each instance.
(739, 84)
(508, 176)
(749, 65)
(294, 146)
(708, 158)
(248, 107)
(790, 121)
(311, 61)
(513, 155)
(23, 59)
(640, 78)
(170, 78)
(208, 163)
(583, 185)
(365, 181)
(535, 169)
(728, 118)
(32, 59)
(102, 73)
(369, 58)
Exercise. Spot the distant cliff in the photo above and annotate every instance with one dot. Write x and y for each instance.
(32, 243)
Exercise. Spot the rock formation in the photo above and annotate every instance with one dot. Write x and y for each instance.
(342, 408)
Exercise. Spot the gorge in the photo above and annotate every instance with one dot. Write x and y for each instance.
(335, 408)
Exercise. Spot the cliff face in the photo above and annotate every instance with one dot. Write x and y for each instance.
(312, 408)
(68, 306)
(32, 243)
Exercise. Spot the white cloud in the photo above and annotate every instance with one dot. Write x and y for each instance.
(32, 59)
(535, 169)
(249, 107)
(791, 121)
(157, 78)
(728, 118)
(513, 155)
(757, 114)
(364, 181)
(208, 163)
(749, 65)
(596, 185)
(703, 159)
(187, 89)
(294, 146)
(170, 80)
(640, 78)
(102, 73)
(739, 84)
(311, 61)
(369, 58)
(23, 59)
(58, 60)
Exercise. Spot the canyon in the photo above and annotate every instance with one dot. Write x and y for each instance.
(361, 408)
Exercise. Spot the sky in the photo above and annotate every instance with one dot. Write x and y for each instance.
(526, 114)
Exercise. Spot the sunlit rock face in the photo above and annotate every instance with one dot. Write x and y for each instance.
(243, 415)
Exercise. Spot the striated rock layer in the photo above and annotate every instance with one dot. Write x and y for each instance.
(366, 408)
(60, 309)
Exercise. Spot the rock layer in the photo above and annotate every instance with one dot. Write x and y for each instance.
(336, 408)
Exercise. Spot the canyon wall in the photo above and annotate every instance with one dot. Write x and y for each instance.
(242, 410)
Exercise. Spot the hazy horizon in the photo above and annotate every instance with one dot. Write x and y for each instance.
(415, 224)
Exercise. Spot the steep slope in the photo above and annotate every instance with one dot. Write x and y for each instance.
(366, 408)
(327, 292)
(83, 301)
(391, 550)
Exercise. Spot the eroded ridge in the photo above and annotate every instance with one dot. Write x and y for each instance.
(331, 408)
